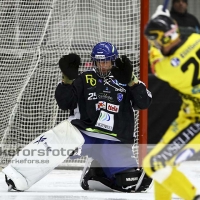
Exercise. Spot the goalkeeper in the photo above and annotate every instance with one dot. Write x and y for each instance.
(176, 60)
(103, 101)
(106, 97)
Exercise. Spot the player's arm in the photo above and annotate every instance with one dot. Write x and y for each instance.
(141, 97)
(67, 91)
(66, 95)
(123, 72)
(155, 56)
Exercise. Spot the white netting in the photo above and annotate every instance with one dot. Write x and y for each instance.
(34, 35)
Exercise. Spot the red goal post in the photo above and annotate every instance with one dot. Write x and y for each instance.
(143, 119)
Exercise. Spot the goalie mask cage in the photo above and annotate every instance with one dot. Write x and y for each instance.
(34, 35)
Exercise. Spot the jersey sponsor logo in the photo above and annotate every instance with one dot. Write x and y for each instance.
(175, 62)
(105, 96)
(119, 97)
(114, 85)
(101, 104)
(105, 121)
(112, 107)
(89, 79)
(175, 145)
(189, 49)
(115, 81)
(106, 90)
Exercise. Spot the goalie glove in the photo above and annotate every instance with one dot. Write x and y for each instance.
(69, 65)
(123, 71)
(159, 11)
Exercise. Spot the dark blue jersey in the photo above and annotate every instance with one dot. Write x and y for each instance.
(106, 106)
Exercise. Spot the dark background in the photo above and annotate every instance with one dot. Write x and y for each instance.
(163, 110)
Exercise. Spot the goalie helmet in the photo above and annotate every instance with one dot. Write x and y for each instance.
(102, 53)
(162, 31)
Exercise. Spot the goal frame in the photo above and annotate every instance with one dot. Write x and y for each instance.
(31, 51)
(143, 114)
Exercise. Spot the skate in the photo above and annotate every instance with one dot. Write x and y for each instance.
(11, 185)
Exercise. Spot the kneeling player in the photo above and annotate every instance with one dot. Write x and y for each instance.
(132, 180)
(106, 97)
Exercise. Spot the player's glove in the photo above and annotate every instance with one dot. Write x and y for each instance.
(159, 11)
(69, 65)
(123, 71)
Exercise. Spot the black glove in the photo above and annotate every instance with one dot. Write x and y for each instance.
(123, 70)
(69, 65)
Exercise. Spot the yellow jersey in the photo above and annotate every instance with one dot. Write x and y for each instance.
(181, 69)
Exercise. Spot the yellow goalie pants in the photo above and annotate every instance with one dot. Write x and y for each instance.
(180, 142)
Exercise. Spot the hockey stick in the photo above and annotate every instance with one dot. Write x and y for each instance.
(165, 4)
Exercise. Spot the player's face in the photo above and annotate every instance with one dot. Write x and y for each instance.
(180, 6)
(104, 66)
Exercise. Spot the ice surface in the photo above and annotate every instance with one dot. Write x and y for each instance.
(64, 185)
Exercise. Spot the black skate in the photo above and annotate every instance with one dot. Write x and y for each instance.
(84, 182)
(92, 172)
(11, 185)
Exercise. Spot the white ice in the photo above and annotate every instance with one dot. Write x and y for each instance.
(64, 185)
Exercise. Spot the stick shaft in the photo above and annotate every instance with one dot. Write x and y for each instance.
(165, 4)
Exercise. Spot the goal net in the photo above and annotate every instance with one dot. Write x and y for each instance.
(34, 35)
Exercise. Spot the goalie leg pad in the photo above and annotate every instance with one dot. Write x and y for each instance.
(55, 146)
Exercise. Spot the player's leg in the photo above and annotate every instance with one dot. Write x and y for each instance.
(94, 178)
(175, 147)
(123, 167)
(53, 147)
(91, 168)
(116, 169)
(161, 192)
